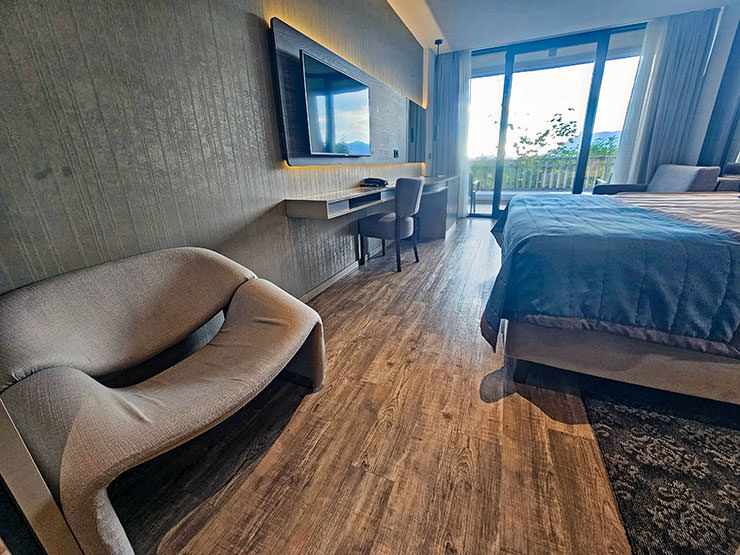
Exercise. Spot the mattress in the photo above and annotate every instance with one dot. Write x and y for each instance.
(719, 210)
(661, 268)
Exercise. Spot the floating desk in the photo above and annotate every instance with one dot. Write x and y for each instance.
(439, 204)
(326, 206)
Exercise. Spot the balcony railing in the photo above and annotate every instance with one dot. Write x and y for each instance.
(545, 173)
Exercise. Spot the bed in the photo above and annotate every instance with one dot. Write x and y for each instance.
(640, 288)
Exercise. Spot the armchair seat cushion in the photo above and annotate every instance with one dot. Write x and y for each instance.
(383, 226)
(728, 183)
(83, 434)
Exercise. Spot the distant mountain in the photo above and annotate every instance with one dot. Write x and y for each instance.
(358, 147)
(576, 141)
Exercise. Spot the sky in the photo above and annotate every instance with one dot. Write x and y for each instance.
(354, 122)
(352, 117)
(538, 95)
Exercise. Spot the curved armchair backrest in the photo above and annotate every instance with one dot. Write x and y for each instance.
(674, 178)
(408, 196)
(113, 316)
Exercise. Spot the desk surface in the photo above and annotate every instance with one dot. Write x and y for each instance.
(342, 194)
(354, 200)
(359, 191)
(326, 206)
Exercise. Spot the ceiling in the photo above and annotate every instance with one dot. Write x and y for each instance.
(483, 23)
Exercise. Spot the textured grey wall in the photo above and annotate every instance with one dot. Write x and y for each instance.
(132, 125)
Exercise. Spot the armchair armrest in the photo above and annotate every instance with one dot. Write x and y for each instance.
(614, 188)
(727, 183)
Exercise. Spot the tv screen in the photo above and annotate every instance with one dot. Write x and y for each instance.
(338, 109)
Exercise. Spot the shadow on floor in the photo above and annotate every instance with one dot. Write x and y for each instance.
(550, 389)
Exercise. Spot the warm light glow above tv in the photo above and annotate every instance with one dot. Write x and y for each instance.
(338, 110)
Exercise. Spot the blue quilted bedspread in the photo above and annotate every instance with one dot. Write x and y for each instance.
(592, 262)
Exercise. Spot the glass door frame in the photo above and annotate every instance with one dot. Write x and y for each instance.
(601, 40)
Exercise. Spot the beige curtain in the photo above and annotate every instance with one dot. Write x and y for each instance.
(450, 121)
(664, 99)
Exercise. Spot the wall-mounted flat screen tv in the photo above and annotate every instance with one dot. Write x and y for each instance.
(338, 110)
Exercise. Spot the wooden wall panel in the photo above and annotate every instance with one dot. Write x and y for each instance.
(127, 126)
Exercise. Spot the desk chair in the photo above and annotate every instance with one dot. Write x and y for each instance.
(397, 225)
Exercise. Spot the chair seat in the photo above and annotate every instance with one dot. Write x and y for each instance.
(83, 434)
(383, 226)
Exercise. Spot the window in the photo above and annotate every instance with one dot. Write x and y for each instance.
(563, 102)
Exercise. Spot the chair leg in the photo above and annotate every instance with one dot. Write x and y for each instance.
(398, 254)
(362, 250)
(383, 251)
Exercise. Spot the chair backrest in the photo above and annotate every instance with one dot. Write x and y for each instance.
(408, 195)
(731, 169)
(113, 316)
(674, 178)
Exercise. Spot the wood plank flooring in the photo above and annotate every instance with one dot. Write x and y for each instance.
(420, 441)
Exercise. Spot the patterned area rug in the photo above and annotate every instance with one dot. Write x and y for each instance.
(674, 466)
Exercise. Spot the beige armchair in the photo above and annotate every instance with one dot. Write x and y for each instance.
(730, 178)
(81, 396)
(669, 178)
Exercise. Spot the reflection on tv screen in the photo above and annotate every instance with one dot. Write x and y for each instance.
(338, 110)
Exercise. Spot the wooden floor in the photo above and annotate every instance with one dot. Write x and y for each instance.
(420, 442)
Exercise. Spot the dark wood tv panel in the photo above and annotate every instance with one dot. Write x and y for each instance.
(388, 108)
(437, 213)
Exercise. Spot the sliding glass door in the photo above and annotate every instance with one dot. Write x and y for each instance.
(539, 103)
(620, 70)
(547, 111)
(486, 95)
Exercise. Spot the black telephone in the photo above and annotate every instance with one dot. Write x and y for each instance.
(374, 182)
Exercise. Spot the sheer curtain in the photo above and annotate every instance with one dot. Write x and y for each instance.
(733, 147)
(450, 125)
(664, 99)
